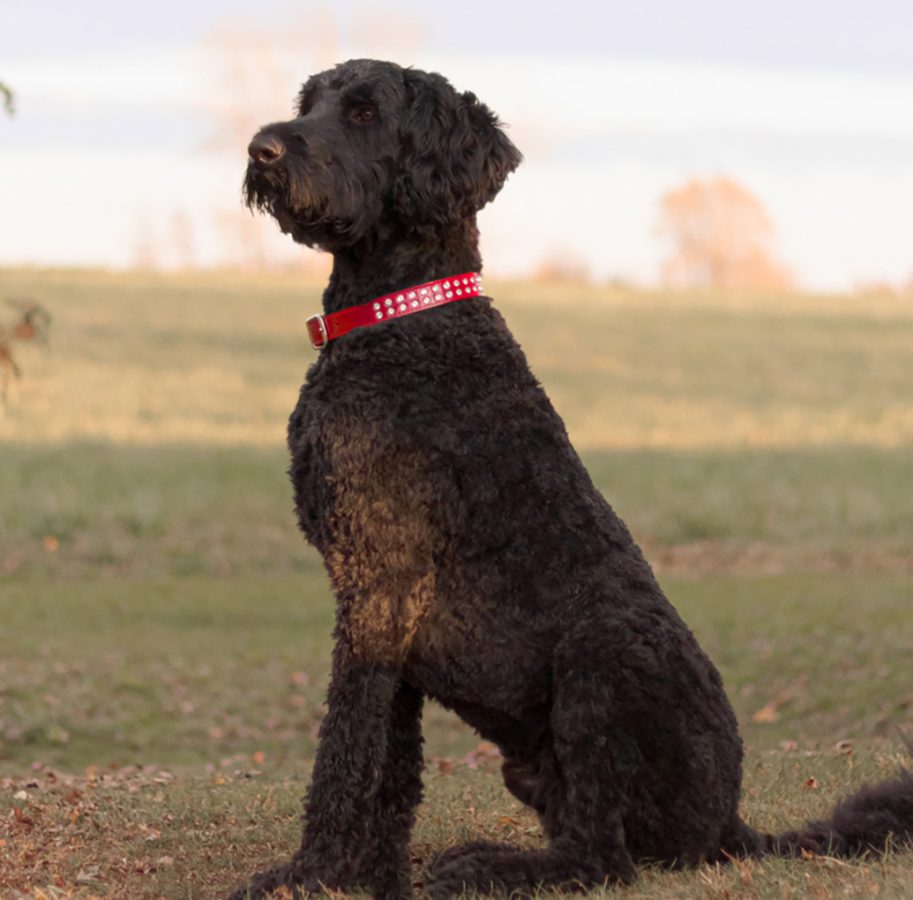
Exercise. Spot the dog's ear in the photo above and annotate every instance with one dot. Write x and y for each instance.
(455, 156)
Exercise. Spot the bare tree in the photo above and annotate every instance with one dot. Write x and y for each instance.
(721, 236)
(181, 238)
(9, 101)
(561, 263)
(253, 72)
(146, 247)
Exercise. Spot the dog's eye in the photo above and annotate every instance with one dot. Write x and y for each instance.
(363, 113)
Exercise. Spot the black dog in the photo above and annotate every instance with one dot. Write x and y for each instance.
(473, 560)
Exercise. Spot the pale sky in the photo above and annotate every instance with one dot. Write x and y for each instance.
(807, 103)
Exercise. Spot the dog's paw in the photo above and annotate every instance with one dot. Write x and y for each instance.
(298, 883)
(446, 859)
(453, 871)
(443, 887)
(501, 869)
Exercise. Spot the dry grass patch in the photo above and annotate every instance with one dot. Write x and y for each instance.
(216, 360)
(136, 833)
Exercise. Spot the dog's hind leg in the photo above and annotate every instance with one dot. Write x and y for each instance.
(588, 851)
(581, 802)
(500, 869)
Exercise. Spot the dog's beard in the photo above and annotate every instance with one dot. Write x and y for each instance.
(295, 202)
(306, 207)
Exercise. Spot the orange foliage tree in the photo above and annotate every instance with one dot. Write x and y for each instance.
(721, 238)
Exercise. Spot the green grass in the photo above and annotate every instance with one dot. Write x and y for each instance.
(151, 438)
(218, 510)
(165, 633)
(189, 708)
(187, 672)
(144, 834)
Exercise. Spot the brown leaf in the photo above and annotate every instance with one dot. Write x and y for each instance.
(23, 818)
(87, 875)
(767, 713)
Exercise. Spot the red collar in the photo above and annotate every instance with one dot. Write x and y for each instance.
(323, 329)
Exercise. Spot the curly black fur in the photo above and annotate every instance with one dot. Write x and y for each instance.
(473, 560)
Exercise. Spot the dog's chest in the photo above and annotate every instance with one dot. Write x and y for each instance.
(309, 470)
(348, 462)
(362, 499)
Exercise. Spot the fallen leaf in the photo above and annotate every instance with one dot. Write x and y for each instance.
(767, 713)
(22, 817)
(87, 876)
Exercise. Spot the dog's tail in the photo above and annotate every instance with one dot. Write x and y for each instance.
(876, 817)
(871, 820)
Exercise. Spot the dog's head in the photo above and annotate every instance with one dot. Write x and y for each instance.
(374, 144)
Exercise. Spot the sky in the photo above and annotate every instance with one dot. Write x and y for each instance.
(115, 144)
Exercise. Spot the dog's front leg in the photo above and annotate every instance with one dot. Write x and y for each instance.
(385, 867)
(348, 772)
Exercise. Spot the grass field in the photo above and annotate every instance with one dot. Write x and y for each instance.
(165, 637)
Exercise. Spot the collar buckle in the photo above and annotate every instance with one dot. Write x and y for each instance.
(317, 331)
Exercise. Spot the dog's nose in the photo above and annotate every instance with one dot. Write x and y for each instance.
(265, 149)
